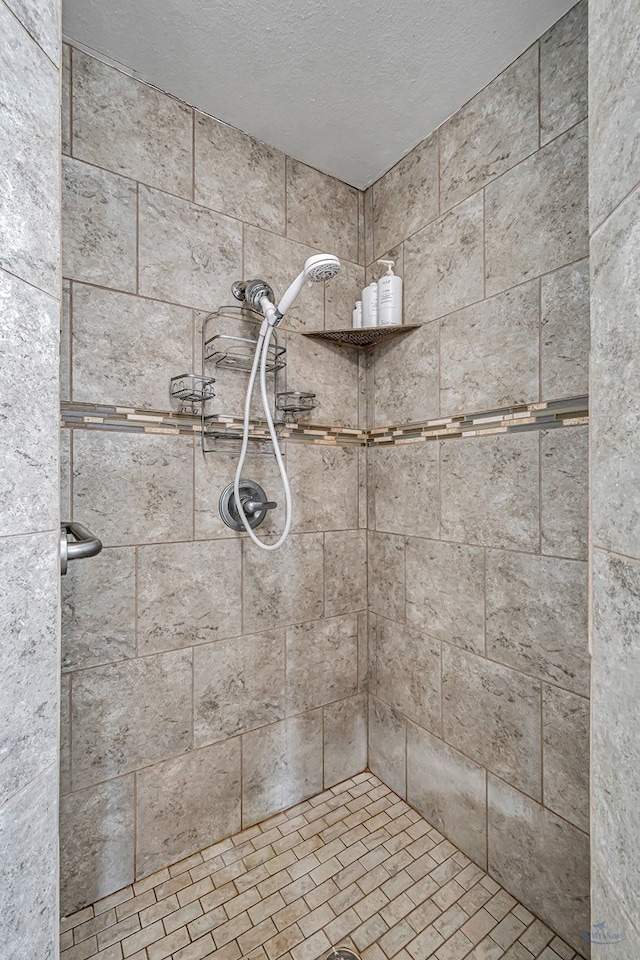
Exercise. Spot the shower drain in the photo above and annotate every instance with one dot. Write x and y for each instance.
(342, 953)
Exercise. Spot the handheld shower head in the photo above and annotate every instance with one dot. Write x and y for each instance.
(322, 266)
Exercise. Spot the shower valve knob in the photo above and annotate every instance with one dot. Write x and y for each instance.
(254, 505)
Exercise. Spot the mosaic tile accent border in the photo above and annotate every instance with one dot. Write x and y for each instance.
(91, 416)
(546, 415)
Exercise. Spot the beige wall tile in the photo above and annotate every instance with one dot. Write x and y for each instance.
(407, 489)
(28, 659)
(283, 587)
(187, 254)
(188, 593)
(565, 332)
(443, 263)
(279, 260)
(340, 295)
(322, 211)
(406, 377)
(536, 214)
(28, 834)
(281, 765)
(238, 684)
(387, 745)
(565, 739)
(492, 714)
(490, 353)
(98, 226)
(237, 175)
(615, 467)
(406, 198)
(508, 467)
(98, 610)
(449, 790)
(386, 572)
(130, 127)
(522, 834)
(29, 467)
(492, 132)
(445, 591)
(345, 739)
(537, 617)
(322, 662)
(65, 121)
(30, 152)
(324, 486)
(129, 715)
(184, 804)
(345, 571)
(329, 371)
(96, 842)
(408, 672)
(613, 93)
(564, 73)
(564, 461)
(133, 488)
(126, 349)
(65, 734)
(615, 748)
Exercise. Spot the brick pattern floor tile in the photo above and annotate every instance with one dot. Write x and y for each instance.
(354, 866)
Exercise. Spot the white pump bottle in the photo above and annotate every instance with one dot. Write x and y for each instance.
(389, 297)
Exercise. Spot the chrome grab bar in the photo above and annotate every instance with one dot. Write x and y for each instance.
(85, 544)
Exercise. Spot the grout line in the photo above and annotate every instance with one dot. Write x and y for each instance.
(484, 600)
(71, 98)
(484, 243)
(540, 338)
(137, 290)
(539, 97)
(193, 155)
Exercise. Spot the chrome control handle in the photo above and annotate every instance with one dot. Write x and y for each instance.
(84, 544)
(256, 506)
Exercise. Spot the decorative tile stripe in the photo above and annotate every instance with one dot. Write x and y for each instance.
(90, 416)
(545, 415)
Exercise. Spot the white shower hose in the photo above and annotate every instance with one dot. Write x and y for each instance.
(260, 358)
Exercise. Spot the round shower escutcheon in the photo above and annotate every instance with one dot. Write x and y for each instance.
(342, 953)
(254, 503)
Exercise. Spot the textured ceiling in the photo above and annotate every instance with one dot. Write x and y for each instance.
(348, 87)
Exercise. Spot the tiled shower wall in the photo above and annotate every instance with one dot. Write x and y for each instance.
(29, 535)
(477, 546)
(205, 685)
(614, 204)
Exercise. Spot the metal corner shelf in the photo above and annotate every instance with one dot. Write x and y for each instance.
(363, 337)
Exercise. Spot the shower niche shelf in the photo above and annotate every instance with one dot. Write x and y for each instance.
(363, 337)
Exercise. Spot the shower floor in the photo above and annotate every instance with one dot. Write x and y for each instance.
(354, 866)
